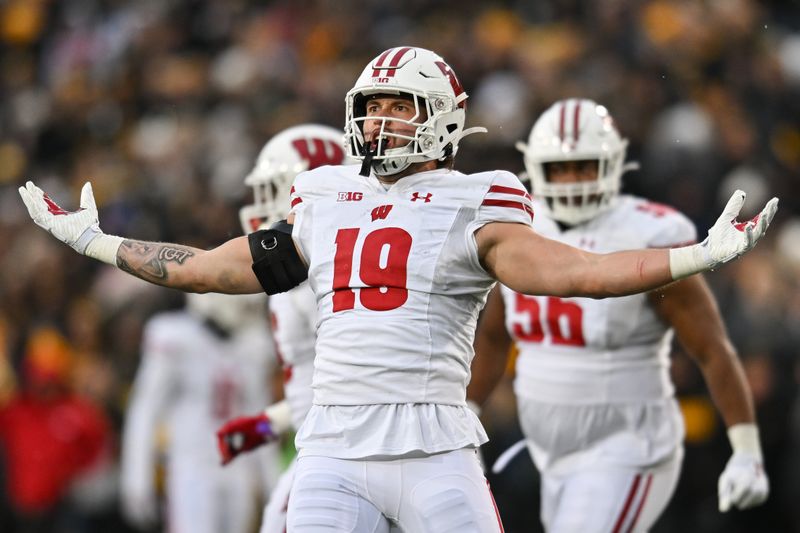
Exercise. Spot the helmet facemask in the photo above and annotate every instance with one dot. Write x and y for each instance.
(409, 148)
(576, 202)
(270, 195)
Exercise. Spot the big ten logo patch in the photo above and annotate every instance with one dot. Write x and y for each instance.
(350, 197)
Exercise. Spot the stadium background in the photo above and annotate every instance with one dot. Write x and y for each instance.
(164, 104)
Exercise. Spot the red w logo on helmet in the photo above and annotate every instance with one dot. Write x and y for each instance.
(458, 89)
(319, 152)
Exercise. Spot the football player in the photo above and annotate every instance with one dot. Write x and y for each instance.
(400, 252)
(200, 366)
(293, 313)
(594, 396)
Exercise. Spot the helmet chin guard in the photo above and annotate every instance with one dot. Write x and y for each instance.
(439, 101)
(576, 130)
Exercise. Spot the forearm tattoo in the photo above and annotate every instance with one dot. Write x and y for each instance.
(148, 260)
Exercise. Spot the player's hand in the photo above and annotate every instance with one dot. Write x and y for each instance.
(244, 434)
(74, 228)
(743, 483)
(727, 239)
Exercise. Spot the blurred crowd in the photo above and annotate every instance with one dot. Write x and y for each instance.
(164, 104)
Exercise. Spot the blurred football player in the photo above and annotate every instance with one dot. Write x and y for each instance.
(200, 365)
(400, 253)
(292, 313)
(595, 400)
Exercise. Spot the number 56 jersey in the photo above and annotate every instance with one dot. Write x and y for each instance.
(397, 278)
(586, 351)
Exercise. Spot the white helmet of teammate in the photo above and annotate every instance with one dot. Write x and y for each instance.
(576, 130)
(229, 312)
(287, 154)
(440, 103)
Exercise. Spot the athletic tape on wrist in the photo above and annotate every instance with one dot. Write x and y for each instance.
(280, 417)
(688, 260)
(744, 439)
(103, 247)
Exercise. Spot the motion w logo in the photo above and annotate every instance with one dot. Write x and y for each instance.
(381, 212)
(318, 152)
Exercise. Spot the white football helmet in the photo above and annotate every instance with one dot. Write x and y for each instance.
(576, 130)
(439, 99)
(229, 312)
(287, 154)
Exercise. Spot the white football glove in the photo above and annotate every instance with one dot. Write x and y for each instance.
(743, 483)
(727, 239)
(79, 229)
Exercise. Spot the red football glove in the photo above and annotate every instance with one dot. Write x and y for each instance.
(243, 434)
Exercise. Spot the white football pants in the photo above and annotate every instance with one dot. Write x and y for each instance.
(440, 493)
(604, 468)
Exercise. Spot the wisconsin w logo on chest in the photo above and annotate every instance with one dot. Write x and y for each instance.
(381, 212)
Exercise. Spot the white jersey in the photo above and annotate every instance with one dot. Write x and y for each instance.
(294, 327)
(586, 351)
(193, 380)
(399, 285)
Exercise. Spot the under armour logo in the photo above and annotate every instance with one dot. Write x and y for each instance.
(382, 211)
(417, 196)
(271, 246)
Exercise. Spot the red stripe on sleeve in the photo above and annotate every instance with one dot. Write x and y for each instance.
(296, 201)
(509, 190)
(509, 203)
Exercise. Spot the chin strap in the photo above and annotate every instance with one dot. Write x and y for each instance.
(366, 165)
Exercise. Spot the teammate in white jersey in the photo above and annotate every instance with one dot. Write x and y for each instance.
(293, 313)
(401, 254)
(200, 365)
(595, 400)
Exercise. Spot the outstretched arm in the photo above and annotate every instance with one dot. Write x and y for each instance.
(226, 269)
(689, 307)
(532, 264)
